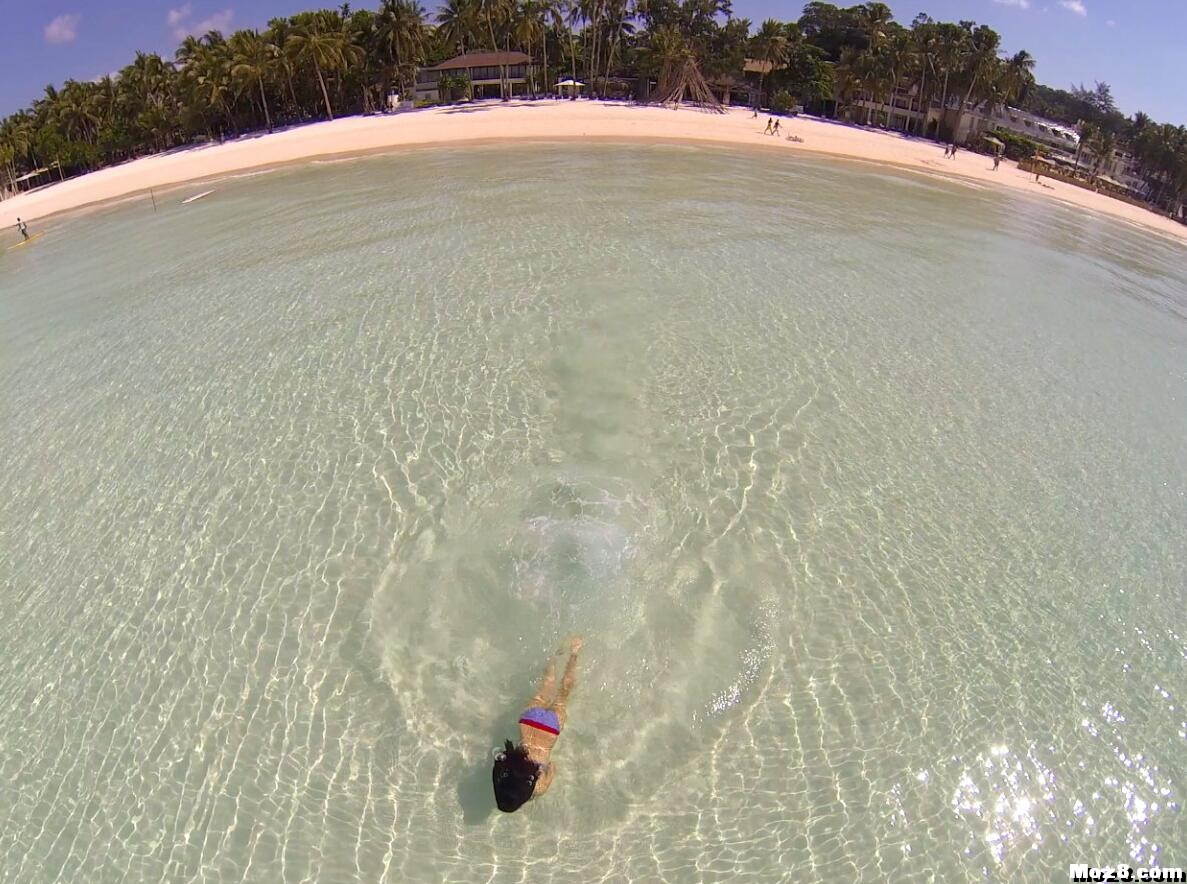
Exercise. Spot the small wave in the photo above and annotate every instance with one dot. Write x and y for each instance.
(254, 173)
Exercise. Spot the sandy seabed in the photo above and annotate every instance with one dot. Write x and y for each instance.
(554, 121)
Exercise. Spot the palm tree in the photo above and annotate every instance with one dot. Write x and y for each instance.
(457, 24)
(7, 165)
(549, 17)
(665, 52)
(103, 100)
(882, 69)
(619, 29)
(1102, 145)
(148, 101)
(1019, 75)
(875, 74)
(1162, 152)
(402, 31)
(566, 13)
(19, 135)
(213, 80)
(253, 59)
(360, 40)
(980, 65)
(150, 72)
(770, 46)
(204, 82)
(1139, 123)
(366, 62)
(952, 42)
(849, 75)
(1088, 133)
(609, 25)
(189, 51)
(862, 72)
(529, 28)
(496, 11)
(74, 111)
(587, 12)
(278, 34)
(924, 41)
(323, 48)
(875, 20)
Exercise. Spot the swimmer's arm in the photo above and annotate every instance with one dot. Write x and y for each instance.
(545, 781)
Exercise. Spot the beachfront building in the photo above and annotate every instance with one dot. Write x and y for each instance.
(744, 88)
(482, 71)
(1049, 133)
(901, 111)
(1124, 168)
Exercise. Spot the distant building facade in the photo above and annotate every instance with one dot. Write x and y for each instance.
(483, 71)
(902, 111)
(744, 88)
(1124, 168)
(1046, 132)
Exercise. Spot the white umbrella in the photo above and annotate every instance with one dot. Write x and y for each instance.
(574, 83)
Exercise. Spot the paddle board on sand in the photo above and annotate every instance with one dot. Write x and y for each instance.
(197, 197)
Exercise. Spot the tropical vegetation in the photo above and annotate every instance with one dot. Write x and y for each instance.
(853, 62)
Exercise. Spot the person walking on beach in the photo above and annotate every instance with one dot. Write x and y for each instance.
(23, 228)
(769, 129)
(776, 132)
(997, 161)
(953, 150)
(523, 772)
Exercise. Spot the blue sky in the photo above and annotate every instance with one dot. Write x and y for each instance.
(1135, 45)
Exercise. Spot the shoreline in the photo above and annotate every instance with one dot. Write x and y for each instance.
(546, 121)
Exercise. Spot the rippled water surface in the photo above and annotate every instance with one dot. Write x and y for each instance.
(866, 490)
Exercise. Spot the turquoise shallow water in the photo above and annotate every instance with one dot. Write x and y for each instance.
(866, 490)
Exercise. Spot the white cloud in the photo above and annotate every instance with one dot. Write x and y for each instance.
(1076, 6)
(179, 21)
(1111, 23)
(220, 21)
(1021, 4)
(62, 29)
(176, 16)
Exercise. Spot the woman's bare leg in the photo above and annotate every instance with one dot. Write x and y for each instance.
(568, 681)
(547, 686)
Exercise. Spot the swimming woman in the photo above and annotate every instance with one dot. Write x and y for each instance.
(525, 772)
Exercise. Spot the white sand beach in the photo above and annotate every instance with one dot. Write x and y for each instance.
(550, 121)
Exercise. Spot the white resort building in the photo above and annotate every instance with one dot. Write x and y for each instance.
(904, 114)
(1020, 122)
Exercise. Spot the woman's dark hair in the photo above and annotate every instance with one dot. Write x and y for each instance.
(514, 777)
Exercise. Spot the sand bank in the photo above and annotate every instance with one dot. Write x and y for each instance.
(552, 121)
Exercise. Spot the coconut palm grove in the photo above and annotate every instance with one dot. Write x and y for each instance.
(325, 63)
